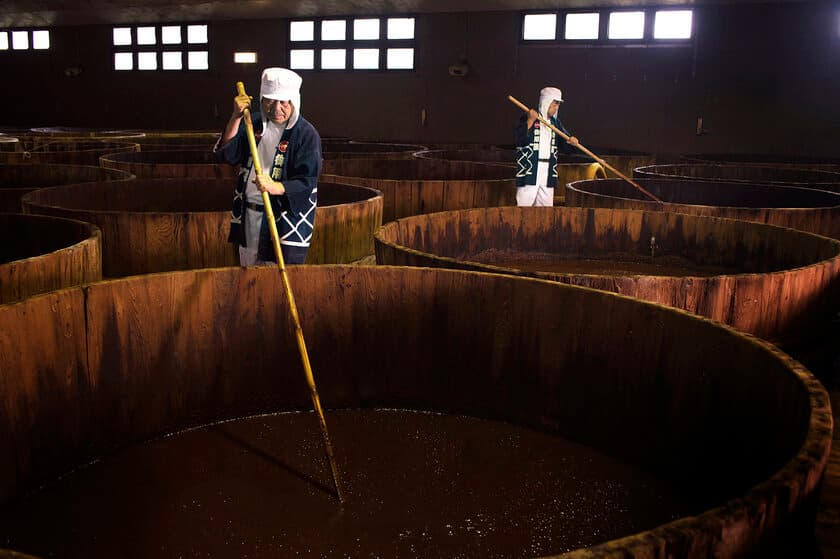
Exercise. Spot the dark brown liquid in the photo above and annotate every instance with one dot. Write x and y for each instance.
(613, 265)
(416, 485)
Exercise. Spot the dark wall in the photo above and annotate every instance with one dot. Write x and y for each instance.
(764, 78)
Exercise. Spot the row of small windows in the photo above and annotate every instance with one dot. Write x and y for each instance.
(364, 29)
(159, 34)
(136, 47)
(24, 40)
(368, 43)
(166, 60)
(361, 59)
(621, 25)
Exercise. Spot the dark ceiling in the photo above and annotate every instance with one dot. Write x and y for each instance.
(34, 13)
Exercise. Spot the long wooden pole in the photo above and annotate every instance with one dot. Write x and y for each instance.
(580, 146)
(304, 355)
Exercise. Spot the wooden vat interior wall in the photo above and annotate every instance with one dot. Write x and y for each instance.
(50, 254)
(92, 369)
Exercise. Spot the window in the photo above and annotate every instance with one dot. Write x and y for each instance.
(366, 29)
(302, 31)
(245, 57)
(20, 40)
(146, 36)
(122, 36)
(400, 59)
(365, 59)
(582, 26)
(333, 59)
(147, 61)
(365, 43)
(40, 40)
(160, 47)
(198, 60)
(197, 34)
(626, 25)
(172, 60)
(672, 24)
(539, 27)
(401, 28)
(302, 59)
(170, 35)
(333, 30)
(123, 61)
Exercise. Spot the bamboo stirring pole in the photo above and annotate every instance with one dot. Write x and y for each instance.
(275, 237)
(583, 149)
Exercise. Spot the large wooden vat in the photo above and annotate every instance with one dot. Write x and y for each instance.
(46, 135)
(810, 210)
(89, 370)
(762, 279)
(504, 157)
(753, 174)
(157, 225)
(800, 161)
(17, 180)
(41, 254)
(362, 150)
(84, 152)
(76, 133)
(171, 164)
(177, 140)
(417, 186)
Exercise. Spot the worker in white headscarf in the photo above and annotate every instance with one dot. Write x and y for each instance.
(290, 153)
(536, 151)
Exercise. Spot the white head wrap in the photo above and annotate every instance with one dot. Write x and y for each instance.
(547, 95)
(281, 84)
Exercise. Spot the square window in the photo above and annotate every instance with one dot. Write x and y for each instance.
(123, 61)
(400, 27)
(147, 61)
(582, 26)
(365, 29)
(172, 60)
(333, 30)
(333, 59)
(539, 27)
(146, 36)
(20, 40)
(41, 39)
(197, 34)
(4, 40)
(365, 59)
(302, 31)
(198, 60)
(245, 57)
(672, 24)
(170, 34)
(626, 25)
(400, 59)
(302, 59)
(122, 36)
